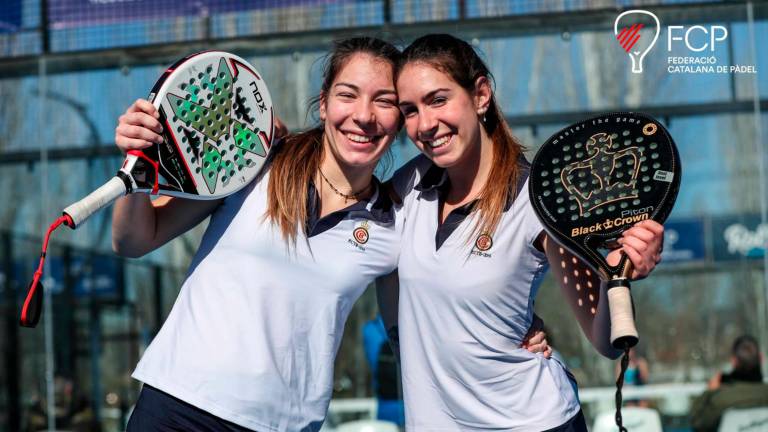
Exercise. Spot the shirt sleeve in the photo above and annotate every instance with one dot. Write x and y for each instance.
(407, 177)
(531, 223)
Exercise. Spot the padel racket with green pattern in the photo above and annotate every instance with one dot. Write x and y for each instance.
(218, 126)
(595, 179)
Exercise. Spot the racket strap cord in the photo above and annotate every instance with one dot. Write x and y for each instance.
(66, 220)
(619, 384)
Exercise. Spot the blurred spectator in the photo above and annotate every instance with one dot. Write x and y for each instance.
(636, 375)
(383, 364)
(742, 388)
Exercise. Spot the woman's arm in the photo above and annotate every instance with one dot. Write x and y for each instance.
(140, 225)
(387, 295)
(586, 292)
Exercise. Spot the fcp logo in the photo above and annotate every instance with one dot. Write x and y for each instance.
(628, 29)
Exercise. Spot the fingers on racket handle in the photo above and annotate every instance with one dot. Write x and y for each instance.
(623, 331)
(101, 197)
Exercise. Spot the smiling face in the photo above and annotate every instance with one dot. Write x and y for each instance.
(441, 117)
(360, 113)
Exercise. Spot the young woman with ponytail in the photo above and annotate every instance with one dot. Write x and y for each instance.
(251, 340)
(473, 256)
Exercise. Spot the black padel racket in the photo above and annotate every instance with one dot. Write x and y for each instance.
(218, 126)
(595, 179)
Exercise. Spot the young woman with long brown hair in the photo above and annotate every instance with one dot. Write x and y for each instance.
(473, 256)
(251, 340)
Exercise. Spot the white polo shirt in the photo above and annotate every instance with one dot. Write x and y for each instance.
(465, 306)
(254, 331)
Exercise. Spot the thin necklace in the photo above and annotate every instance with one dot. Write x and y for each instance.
(347, 197)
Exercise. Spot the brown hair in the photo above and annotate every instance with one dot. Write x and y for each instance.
(298, 158)
(457, 59)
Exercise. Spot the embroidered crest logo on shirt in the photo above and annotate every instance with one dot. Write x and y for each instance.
(360, 236)
(484, 242)
(360, 233)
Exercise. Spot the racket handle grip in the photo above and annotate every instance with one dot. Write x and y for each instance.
(623, 331)
(101, 197)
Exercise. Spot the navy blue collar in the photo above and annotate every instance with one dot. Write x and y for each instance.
(378, 208)
(436, 179)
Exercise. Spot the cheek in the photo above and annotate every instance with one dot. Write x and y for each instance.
(335, 113)
(389, 121)
(470, 127)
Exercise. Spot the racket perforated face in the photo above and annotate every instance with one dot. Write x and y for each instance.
(218, 123)
(595, 179)
(218, 126)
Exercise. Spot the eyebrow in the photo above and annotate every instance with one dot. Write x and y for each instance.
(352, 86)
(357, 89)
(426, 97)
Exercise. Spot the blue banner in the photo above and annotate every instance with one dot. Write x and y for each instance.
(69, 13)
(97, 276)
(90, 276)
(684, 241)
(738, 237)
(10, 16)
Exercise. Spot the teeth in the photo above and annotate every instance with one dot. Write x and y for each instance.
(359, 138)
(438, 142)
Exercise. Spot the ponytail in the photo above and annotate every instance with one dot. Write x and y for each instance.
(292, 169)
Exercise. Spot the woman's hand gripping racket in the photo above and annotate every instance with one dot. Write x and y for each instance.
(217, 128)
(595, 179)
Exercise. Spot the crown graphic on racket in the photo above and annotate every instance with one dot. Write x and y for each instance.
(599, 176)
(592, 181)
(606, 177)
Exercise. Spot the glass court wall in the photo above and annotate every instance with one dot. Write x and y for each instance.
(69, 68)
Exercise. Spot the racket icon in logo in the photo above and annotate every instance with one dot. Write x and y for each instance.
(632, 40)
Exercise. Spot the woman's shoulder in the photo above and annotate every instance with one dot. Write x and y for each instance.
(420, 163)
(408, 176)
